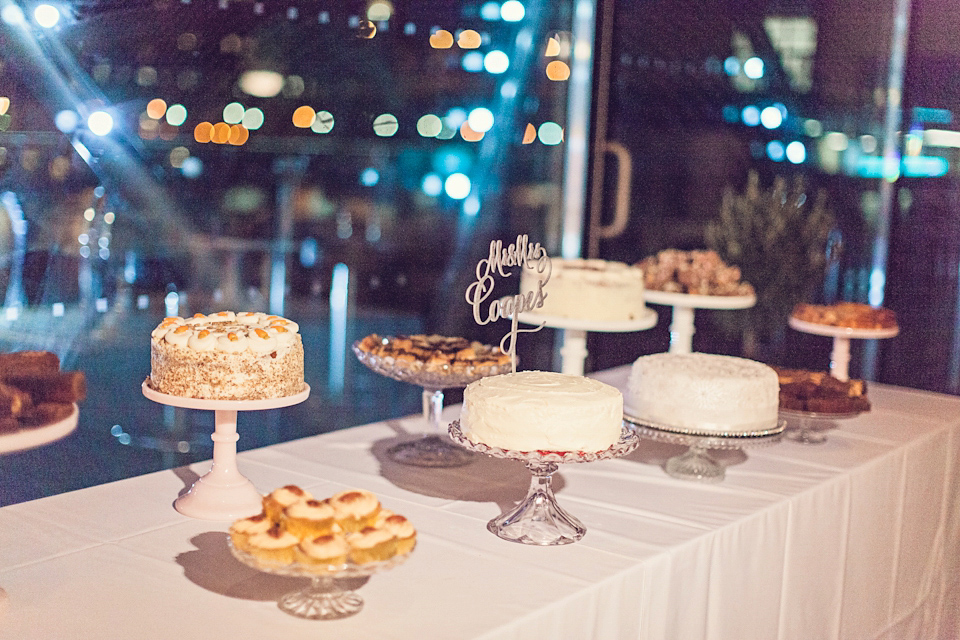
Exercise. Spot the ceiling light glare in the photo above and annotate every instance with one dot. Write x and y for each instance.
(512, 11)
(46, 15)
(12, 14)
(100, 123)
(753, 68)
(457, 186)
(233, 113)
(496, 62)
(771, 117)
(480, 119)
(262, 84)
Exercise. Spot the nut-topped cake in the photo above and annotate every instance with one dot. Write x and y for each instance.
(227, 356)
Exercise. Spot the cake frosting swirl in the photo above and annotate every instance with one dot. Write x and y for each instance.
(227, 356)
(542, 411)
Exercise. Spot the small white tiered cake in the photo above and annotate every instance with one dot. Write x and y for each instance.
(542, 411)
(227, 356)
(703, 392)
(590, 290)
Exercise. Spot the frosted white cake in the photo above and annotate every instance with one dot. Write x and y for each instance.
(703, 392)
(227, 356)
(589, 290)
(542, 411)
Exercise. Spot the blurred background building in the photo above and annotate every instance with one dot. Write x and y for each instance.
(347, 163)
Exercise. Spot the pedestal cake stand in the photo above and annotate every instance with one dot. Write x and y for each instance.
(538, 519)
(684, 305)
(840, 355)
(806, 434)
(696, 463)
(325, 598)
(573, 354)
(434, 449)
(222, 493)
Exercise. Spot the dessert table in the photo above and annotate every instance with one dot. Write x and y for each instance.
(856, 538)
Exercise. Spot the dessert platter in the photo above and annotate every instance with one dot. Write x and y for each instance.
(343, 537)
(816, 398)
(434, 363)
(542, 419)
(691, 280)
(226, 363)
(38, 400)
(588, 295)
(844, 321)
(705, 402)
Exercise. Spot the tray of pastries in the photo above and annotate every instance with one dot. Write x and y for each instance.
(35, 392)
(348, 533)
(697, 272)
(433, 360)
(849, 315)
(819, 392)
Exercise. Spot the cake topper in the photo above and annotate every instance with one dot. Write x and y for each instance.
(500, 261)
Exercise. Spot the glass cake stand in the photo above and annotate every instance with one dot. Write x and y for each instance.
(806, 433)
(223, 493)
(538, 519)
(696, 463)
(433, 449)
(325, 598)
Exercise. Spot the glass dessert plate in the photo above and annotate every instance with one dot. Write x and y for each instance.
(434, 449)
(538, 519)
(325, 598)
(806, 433)
(696, 463)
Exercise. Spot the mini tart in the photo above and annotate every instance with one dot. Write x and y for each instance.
(371, 544)
(275, 546)
(355, 509)
(308, 518)
(401, 529)
(279, 499)
(322, 553)
(241, 530)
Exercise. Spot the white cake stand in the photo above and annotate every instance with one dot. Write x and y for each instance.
(840, 356)
(696, 463)
(39, 436)
(538, 519)
(684, 305)
(222, 493)
(573, 354)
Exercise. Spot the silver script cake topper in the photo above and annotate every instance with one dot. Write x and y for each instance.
(500, 261)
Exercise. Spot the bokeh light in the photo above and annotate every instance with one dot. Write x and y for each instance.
(457, 186)
(323, 123)
(550, 133)
(558, 71)
(303, 117)
(46, 15)
(100, 123)
(385, 125)
(156, 108)
(496, 62)
(480, 119)
(233, 113)
(441, 39)
(429, 126)
(469, 39)
(512, 11)
(176, 115)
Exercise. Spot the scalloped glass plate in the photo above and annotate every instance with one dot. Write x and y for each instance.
(417, 373)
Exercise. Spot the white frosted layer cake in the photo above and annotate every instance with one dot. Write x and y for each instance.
(703, 392)
(227, 356)
(589, 290)
(542, 411)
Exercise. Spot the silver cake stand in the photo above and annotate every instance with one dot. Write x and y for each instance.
(696, 463)
(434, 449)
(325, 598)
(538, 519)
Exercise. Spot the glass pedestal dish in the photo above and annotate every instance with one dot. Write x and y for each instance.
(434, 449)
(538, 519)
(326, 597)
(806, 432)
(696, 463)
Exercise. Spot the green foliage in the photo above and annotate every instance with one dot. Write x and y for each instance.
(778, 238)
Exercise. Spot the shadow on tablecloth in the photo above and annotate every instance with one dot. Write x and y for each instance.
(212, 567)
(486, 479)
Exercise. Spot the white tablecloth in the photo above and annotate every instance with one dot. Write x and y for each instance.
(855, 538)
